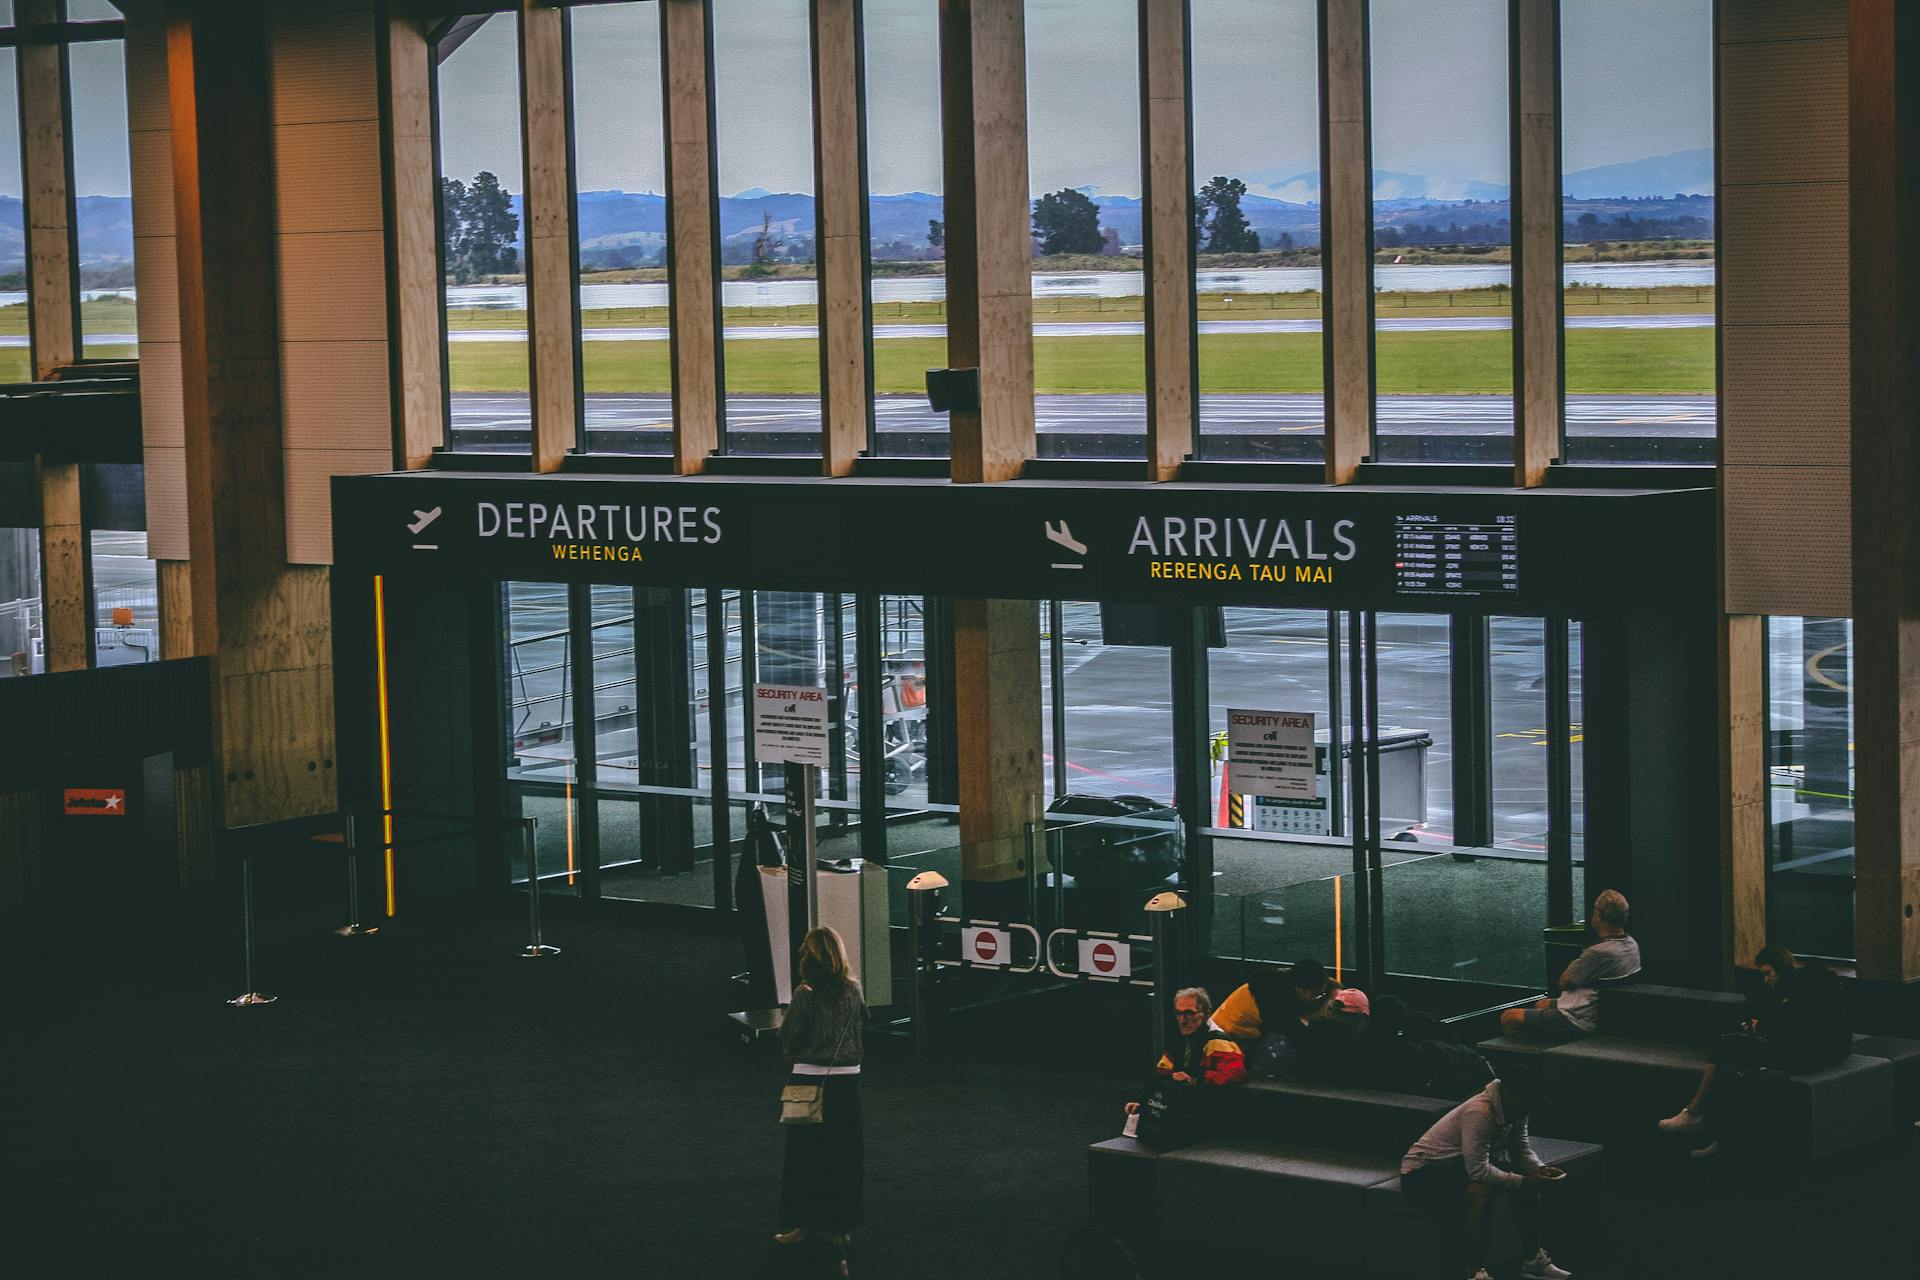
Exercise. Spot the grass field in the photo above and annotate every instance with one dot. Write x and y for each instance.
(1599, 361)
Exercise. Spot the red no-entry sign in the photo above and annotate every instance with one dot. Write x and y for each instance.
(986, 946)
(1105, 958)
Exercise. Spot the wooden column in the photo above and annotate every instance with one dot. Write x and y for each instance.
(1346, 235)
(1167, 163)
(264, 624)
(1743, 789)
(413, 191)
(983, 93)
(996, 647)
(1533, 31)
(693, 232)
(552, 302)
(1884, 84)
(840, 241)
(46, 163)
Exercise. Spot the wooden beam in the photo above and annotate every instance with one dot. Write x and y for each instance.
(983, 92)
(1884, 92)
(1167, 163)
(693, 232)
(64, 587)
(546, 147)
(415, 245)
(1001, 773)
(1346, 235)
(1743, 789)
(840, 253)
(1533, 28)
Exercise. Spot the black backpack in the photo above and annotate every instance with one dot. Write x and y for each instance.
(1453, 1071)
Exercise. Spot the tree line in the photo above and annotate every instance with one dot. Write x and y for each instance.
(480, 233)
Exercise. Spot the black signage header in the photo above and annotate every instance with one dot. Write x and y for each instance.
(1538, 551)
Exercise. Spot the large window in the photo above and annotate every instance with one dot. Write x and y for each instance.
(1810, 829)
(763, 147)
(621, 212)
(103, 205)
(541, 730)
(1256, 163)
(1083, 167)
(1637, 151)
(22, 645)
(1443, 297)
(16, 363)
(126, 599)
(906, 222)
(477, 114)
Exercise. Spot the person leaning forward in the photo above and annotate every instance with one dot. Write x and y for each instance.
(1477, 1151)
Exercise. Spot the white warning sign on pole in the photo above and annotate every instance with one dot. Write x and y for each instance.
(1271, 753)
(1106, 958)
(789, 724)
(986, 946)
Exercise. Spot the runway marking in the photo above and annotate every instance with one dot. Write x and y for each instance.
(1813, 669)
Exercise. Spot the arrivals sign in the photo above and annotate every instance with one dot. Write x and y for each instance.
(789, 724)
(1271, 753)
(1290, 546)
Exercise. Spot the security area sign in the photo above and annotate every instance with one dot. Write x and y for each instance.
(1271, 753)
(790, 724)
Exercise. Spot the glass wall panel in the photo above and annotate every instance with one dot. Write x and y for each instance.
(906, 222)
(621, 212)
(764, 155)
(902, 703)
(1443, 300)
(541, 729)
(1256, 140)
(22, 644)
(1416, 728)
(1576, 716)
(16, 364)
(1117, 691)
(1810, 785)
(477, 114)
(1517, 682)
(103, 203)
(1083, 166)
(1636, 120)
(126, 599)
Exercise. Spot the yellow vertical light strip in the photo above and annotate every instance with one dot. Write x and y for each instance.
(1338, 968)
(569, 804)
(386, 741)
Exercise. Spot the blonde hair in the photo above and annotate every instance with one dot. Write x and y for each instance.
(823, 960)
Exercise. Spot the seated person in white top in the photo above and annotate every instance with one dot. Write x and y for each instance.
(1577, 1011)
(1476, 1151)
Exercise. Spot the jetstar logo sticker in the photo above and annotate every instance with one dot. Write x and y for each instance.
(418, 525)
(95, 802)
(1061, 535)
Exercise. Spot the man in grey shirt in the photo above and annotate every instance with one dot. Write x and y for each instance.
(1577, 1012)
(1476, 1151)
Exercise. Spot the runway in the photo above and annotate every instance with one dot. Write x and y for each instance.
(1587, 415)
(1099, 328)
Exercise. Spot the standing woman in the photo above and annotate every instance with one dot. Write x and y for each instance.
(820, 1186)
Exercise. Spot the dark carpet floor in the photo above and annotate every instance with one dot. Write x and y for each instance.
(426, 1103)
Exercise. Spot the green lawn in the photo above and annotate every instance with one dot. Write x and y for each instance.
(103, 315)
(1623, 361)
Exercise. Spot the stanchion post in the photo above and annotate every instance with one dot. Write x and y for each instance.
(353, 928)
(535, 947)
(1162, 925)
(249, 996)
(1033, 873)
(923, 892)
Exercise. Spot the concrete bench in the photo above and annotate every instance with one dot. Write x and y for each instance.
(1905, 1057)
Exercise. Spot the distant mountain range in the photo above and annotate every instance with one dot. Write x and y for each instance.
(625, 229)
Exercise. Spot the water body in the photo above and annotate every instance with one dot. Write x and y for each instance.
(17, 297)
(1112, 284)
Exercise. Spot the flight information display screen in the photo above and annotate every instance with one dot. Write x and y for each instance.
(1437, 556)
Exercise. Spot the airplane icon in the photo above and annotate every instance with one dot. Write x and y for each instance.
(1063, 535)
(422, 519)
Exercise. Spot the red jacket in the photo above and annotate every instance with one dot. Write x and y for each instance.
(1209, 1055)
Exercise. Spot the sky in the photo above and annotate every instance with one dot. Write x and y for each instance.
(1637, 82)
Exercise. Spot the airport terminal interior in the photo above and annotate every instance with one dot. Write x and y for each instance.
(514, 514)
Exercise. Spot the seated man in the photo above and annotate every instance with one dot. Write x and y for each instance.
(1203, 1057)
(1798, 1025)
(1577, 1011)
(1476, 1151)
